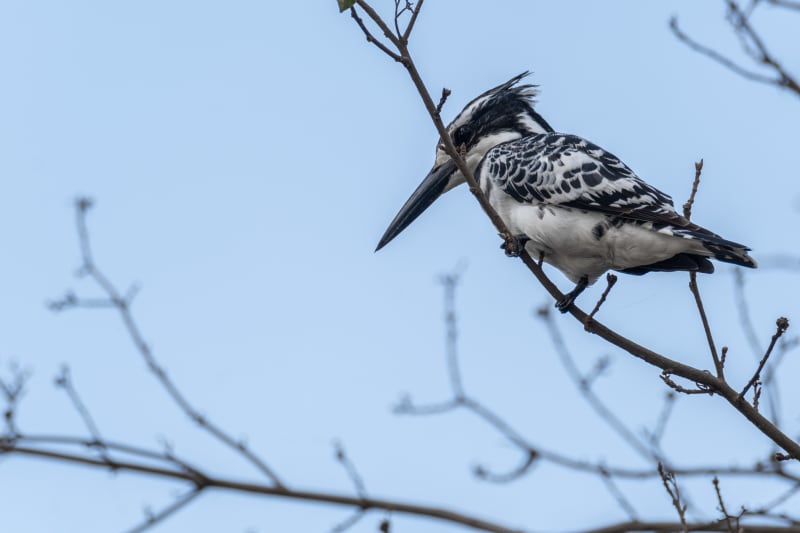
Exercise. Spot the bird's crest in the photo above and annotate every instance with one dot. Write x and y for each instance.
(507, 107)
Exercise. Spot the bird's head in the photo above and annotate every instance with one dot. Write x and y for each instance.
(499, 115)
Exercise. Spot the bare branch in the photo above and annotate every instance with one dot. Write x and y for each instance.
(154, 519)
(611, 279)
(729, 520)
(782, 325)
(687, 207)
(271, 489)
(412, 21)
(744, 317)
(354, 518)
(671, 486)
(621, 499)
(748, 35)
(671, 527)
(719, 58)
(788, 4)
(372, 14)
(371, 38)
(445, 93)
(450, 282)
(123, 307)
(706, 327)
(64, 381)
(661, 423)
(350, 468)
(772, 386)
(602, 410)
(407, 407)
(792, 491)
(507, 477)
(666, 377)
(752, 44)
(12, 390)
(398, 12)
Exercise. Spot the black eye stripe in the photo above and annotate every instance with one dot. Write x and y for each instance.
(462, 135)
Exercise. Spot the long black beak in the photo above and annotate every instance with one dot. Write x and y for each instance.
(428, 191)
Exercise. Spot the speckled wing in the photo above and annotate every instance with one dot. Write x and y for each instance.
(570, 171)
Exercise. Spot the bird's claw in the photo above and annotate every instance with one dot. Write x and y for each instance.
(565, 303)
(514, 244)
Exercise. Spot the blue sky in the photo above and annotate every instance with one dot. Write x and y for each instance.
(245, 158)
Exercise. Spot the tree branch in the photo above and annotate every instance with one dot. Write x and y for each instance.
(156, 518)
(752, 44)
(122, 304)
(270, 490)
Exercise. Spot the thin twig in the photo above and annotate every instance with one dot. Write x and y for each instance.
(387, 32)
(687, 207)
(744, 316)
(500, 424)
(528, 461)
(792, 491)
(594, 401)
(782, 325)
(412, 21)
(13, 390)
(371, 38)
(445, 93)
(788, 4)
(601, 365)
(620, 497)
(706, 327)
(64, 381)
(354, 518)
(350, 468)
(611, 279)
(666, 377)
(725, 516)
(406, 407)
(156, 518)
(450, 282)
(663, 418)
(760, 54)
(397, 13)
(671, 486)
(772, 386)
(721, 59)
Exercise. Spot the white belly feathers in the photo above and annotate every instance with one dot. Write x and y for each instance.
(587, 243)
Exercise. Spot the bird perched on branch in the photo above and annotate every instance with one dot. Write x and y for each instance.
(564, 198)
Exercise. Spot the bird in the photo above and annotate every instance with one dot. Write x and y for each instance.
(566, 200)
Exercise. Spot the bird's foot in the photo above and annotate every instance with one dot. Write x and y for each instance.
(514, 244)
(566, 302)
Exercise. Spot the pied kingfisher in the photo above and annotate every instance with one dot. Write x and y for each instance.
(564, 198)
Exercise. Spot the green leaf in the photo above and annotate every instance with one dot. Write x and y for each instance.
(344, 5)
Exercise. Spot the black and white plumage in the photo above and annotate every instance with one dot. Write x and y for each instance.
(568, 200)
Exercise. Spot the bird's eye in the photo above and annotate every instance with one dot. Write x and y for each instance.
(462, 135)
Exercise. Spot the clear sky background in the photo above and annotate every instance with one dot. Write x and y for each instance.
(245, 158)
